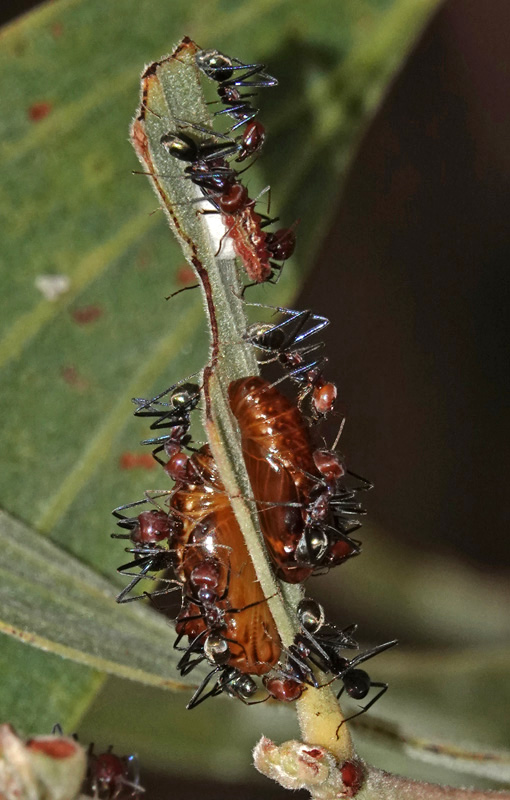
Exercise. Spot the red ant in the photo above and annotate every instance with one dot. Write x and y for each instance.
(283, 342)
(220, 186)
(181, 403)
(149, 532)
(224, 70)
(109, 775)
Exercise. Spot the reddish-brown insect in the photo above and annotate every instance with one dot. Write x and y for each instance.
(112, 777)
(213, 554)
(284, 689)
(293, 497)
(279, 459)
(209, 170)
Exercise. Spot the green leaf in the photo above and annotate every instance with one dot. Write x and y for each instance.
(486, 763)
(70, 207)
(51, 600)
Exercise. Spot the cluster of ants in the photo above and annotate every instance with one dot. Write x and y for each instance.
(261, 252)
(307, 501)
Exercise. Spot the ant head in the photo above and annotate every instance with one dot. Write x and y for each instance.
(265, 335)
(180, 146)
(206, 575)
(177, 467)
(234, 199)
(108, 770)
(186, 397)
(311, 615)
(214, 65)
(216, 649)
(252, 141)
(324, 397)
(281, 243)
(312, 546)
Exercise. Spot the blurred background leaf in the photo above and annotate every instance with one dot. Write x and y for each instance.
(79, 621)
(70, 206)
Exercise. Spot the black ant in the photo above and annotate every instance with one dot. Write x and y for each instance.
(327, 640)
(225, 71)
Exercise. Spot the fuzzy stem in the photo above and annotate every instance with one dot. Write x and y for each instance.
(321, 721)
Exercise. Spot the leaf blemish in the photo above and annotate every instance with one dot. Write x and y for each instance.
(87, 314)
(38, 111)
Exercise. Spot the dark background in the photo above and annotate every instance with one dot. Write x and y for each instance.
(413, 276)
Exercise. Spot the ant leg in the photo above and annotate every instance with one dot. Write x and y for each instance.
(343, 537)
(198, 697)
(145, 404)
(317, 646)
(380, 648)
(248, 286)
(224, 236)
(367, 484)
(293, 326)
(266, 221)
(147, 564)
(190, 665)
(217, 151)
(185, 665)
(254, 702)
(383, 687)
(250, 605)
(304, 667)
(265, 80)
(276, 274)
(145, 595)
(123, 517)
(249, 115)
(135, 764)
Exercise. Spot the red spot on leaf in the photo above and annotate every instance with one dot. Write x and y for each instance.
(137, 461)
(185, 275)
(71, 376)
(57, 29)
(87, 314)
(54, 748)
(37, 111)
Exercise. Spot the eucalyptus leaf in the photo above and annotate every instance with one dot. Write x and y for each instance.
(52, 601)
(484, 762)
(69, 75)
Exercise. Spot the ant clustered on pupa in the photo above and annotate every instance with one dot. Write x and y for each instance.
(308, 503)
